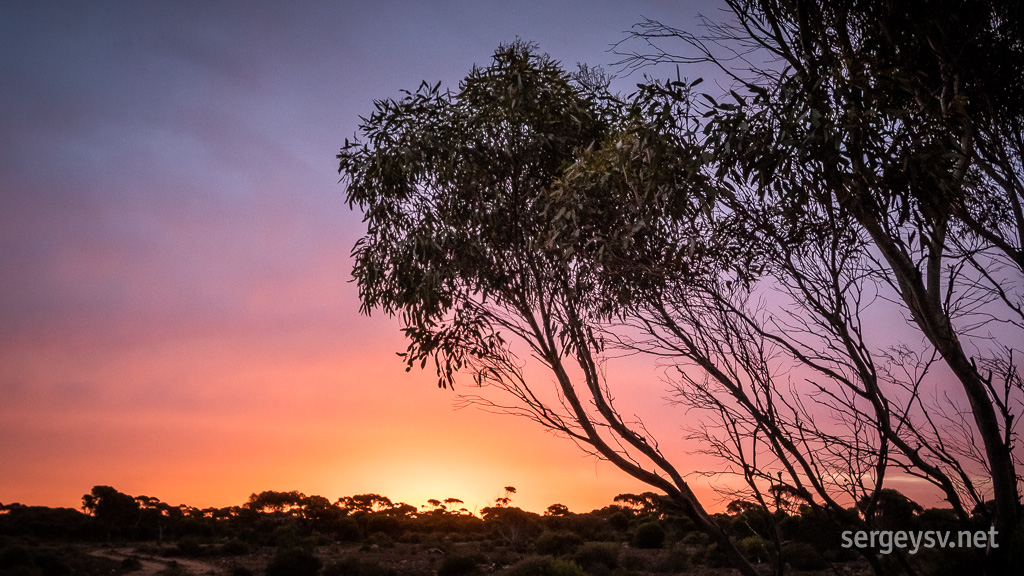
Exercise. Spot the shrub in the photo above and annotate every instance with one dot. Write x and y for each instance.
(190, 547)
(541, 566)
(51, 563)
(383, 523)
(234, 547)
(674, 559)
(14, 556)
(557, 543)
(560, 567)
(711, 555)
(293, 562)
(346, 529)
(649, 535)
(594, 554)
(619, 521)
(754, 548)
(353, 566)
(803, 556)
(457, 565)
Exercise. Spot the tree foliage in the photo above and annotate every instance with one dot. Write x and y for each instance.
(867, 159)
(475, 244)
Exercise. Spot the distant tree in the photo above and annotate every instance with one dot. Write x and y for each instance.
(276, 502)
(157, 514)
(365, 503)
(116, 511)
(557, 510)
(514, 525)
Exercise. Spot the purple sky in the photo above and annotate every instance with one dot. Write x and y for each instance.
(175, 312)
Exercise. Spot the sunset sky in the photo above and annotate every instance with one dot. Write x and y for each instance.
(176, 316)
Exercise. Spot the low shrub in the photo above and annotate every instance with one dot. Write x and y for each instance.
(293, 562)
(675, 559)
(649, 535)
(754, 548)
(803, 556)
(14, 555)
(594, 554)
(458, 565)
(544, 566)
(557, 543)
(353, 566)
(234, 547)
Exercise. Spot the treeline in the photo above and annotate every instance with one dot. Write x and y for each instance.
(808, 540)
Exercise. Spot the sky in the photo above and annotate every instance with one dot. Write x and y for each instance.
(176, 313)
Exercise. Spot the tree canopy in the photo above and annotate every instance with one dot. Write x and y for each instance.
(867, 157)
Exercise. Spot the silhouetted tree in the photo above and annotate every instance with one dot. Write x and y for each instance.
(116, 511)
(878, 151)
(464, 242)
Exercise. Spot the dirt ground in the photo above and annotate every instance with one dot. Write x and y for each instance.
(151, 565)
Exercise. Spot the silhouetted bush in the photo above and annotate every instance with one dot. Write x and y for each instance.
(346, 529)
(619, 521)
(235, 547)
(377, 540)
(293, 562)
(557, 543)
(382, 523)
(458, 565)
(649, 535)
(803, 556)
(14, 555)
(594, 554)
(711, 556)
(131, 563)
(353, 566)
(754, 548)
(675, 559)
(190, 547)
(544, 566)
(51, 563)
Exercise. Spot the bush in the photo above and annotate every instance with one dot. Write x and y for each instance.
(754, 548)
(190, 547)
(619, 521)
(674, 559)
(14, 556)
(557, 543)
(711, 556)
(346, 529)
(540, 566)
(293, 562)
(383, 523)
(649, 535)
(353, 566)
(378, 539)
(234, 547)
(457, 565)
(51, 563)
(594, 554)
(803, 556)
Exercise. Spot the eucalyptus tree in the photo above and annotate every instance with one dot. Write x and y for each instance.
(486, 259)
(875, 149)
